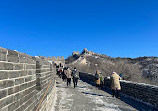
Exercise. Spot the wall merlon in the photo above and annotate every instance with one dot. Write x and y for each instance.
(12, 56)
(3, 53)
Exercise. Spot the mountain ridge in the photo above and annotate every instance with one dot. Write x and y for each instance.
(141, 69)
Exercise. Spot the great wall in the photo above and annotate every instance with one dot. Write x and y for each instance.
(29, 83)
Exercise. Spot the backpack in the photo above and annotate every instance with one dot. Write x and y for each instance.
(60, 71)
(75, 74)
(96, 76)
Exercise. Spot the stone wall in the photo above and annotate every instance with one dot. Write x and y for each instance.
(144, 92)
(26, 83)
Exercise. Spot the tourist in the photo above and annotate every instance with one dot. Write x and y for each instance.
(115, 84)
(68, 75)
(75, 77)
(101, 80)
(97, 79)
(60, 72)
(57, 70)
(64, 74)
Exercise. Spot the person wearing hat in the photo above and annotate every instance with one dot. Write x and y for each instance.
(115, 84)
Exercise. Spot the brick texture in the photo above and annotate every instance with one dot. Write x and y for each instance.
(23, 81)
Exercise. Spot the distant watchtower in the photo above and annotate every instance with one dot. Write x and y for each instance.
(76, 53)
(58, 60)
(85, 49)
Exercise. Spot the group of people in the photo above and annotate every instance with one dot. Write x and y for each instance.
(67, 75)
(115, 83)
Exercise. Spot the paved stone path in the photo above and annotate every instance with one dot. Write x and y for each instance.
(86, 98)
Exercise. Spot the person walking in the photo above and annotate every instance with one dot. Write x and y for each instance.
(97, 79)
(68, 75)
(60, 72)
(57, 70)
(75, 77)
(64, 74)
(115, 84)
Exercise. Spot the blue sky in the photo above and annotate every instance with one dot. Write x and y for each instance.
(118, 28)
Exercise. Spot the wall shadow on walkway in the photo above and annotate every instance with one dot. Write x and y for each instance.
(92, 94)
(127, 99)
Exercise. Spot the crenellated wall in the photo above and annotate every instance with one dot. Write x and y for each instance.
(26, 83)
(144, 92)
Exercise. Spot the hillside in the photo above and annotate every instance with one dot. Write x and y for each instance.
(142, 69)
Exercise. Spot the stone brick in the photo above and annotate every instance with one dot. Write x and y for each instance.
(46, 66)
(44, 70)
(12, 56)
(3, 75)
(18, 67)
(31, 72)
(19, 81)
(26, 98)
(30, 107)
(4, 109)
(23, 58)
(30, 84)
(18, 96)
(3, 53)
(13, 74)
(13, 90)
(6, 101)
(29, 90)
(6, 83)
(3, 93)
(19, 109)
(23, 86)
(28, 66)
(6, 66)
(29, 78)
(22, 73)
(13, 106)
(31, 60)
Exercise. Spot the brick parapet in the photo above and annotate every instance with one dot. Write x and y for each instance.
(144, 92)
(19, 74)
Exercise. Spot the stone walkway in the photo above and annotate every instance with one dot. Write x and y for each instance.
(86, 98)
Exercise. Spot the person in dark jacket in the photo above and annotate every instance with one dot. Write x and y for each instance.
(64, 74)
(75, 77)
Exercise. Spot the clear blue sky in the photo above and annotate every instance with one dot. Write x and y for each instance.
(125, 28)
